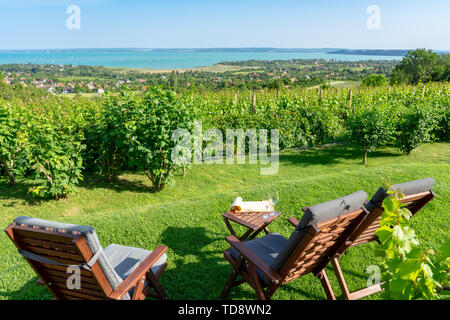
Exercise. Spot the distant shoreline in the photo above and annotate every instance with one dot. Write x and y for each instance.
(184, 59)
(365, 52)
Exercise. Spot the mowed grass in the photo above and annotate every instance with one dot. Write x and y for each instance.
(187, 217)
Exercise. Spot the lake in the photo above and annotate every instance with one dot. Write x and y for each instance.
(167, 58)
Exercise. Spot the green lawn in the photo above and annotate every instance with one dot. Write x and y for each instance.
(187, 216)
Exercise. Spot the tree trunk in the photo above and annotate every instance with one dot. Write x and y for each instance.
(11, 177)
(365, 157)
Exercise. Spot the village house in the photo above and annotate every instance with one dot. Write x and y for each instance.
(91, 86)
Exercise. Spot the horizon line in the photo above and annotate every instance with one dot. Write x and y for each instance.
(223, 48)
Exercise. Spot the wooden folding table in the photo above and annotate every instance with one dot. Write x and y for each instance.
(255, 222)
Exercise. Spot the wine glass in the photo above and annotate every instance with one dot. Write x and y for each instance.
(274, 198)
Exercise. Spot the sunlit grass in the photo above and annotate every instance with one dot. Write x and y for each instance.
(187, 216)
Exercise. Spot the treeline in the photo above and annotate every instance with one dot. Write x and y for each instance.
(57, 141)
(254, 75)
(422, 66)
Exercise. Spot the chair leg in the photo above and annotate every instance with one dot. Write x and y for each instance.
(155, 283)
(340, 277)
(326, 285)
(271, 290)
(229, 284)
(137, 295)
(355, 295)
(256, 283)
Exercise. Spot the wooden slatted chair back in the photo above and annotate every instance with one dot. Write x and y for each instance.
(65, 248)
(319, 244)
(366, 231)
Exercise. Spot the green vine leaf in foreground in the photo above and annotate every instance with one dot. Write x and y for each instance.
(407, 271)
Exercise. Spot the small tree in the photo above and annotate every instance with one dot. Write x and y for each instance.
(149, 131)
(374, 80)
(370, 128)
(414, 127)
(419, 66)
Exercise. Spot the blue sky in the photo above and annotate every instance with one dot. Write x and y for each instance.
(404, 24)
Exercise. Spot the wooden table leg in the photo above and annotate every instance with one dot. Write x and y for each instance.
(229, 227)
(246, 235)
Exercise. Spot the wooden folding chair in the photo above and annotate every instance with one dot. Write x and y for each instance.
(271, 261)
(65, 254)
(417, 194)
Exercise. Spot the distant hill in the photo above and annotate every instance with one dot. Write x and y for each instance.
(366, 52)
(249, 49)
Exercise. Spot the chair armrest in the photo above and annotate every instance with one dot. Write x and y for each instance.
(252, 258)
(138, 273)
(293, 221)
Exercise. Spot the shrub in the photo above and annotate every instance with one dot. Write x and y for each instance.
(441, 108)
(56, 152)
(14, 142)
(374, 80)
(109, 136)
(414, 127)
(149, 129)
(303, 125)
(370, 128)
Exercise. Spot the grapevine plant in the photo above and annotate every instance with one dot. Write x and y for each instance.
(55, 141)
(14, 141)
(56, 160)
(409, 273)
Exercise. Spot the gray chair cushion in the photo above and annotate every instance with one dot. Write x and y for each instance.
(91, 239)
(330, 209)
(125, 259)
(266, 248)
(319, 213)
(407, 188)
